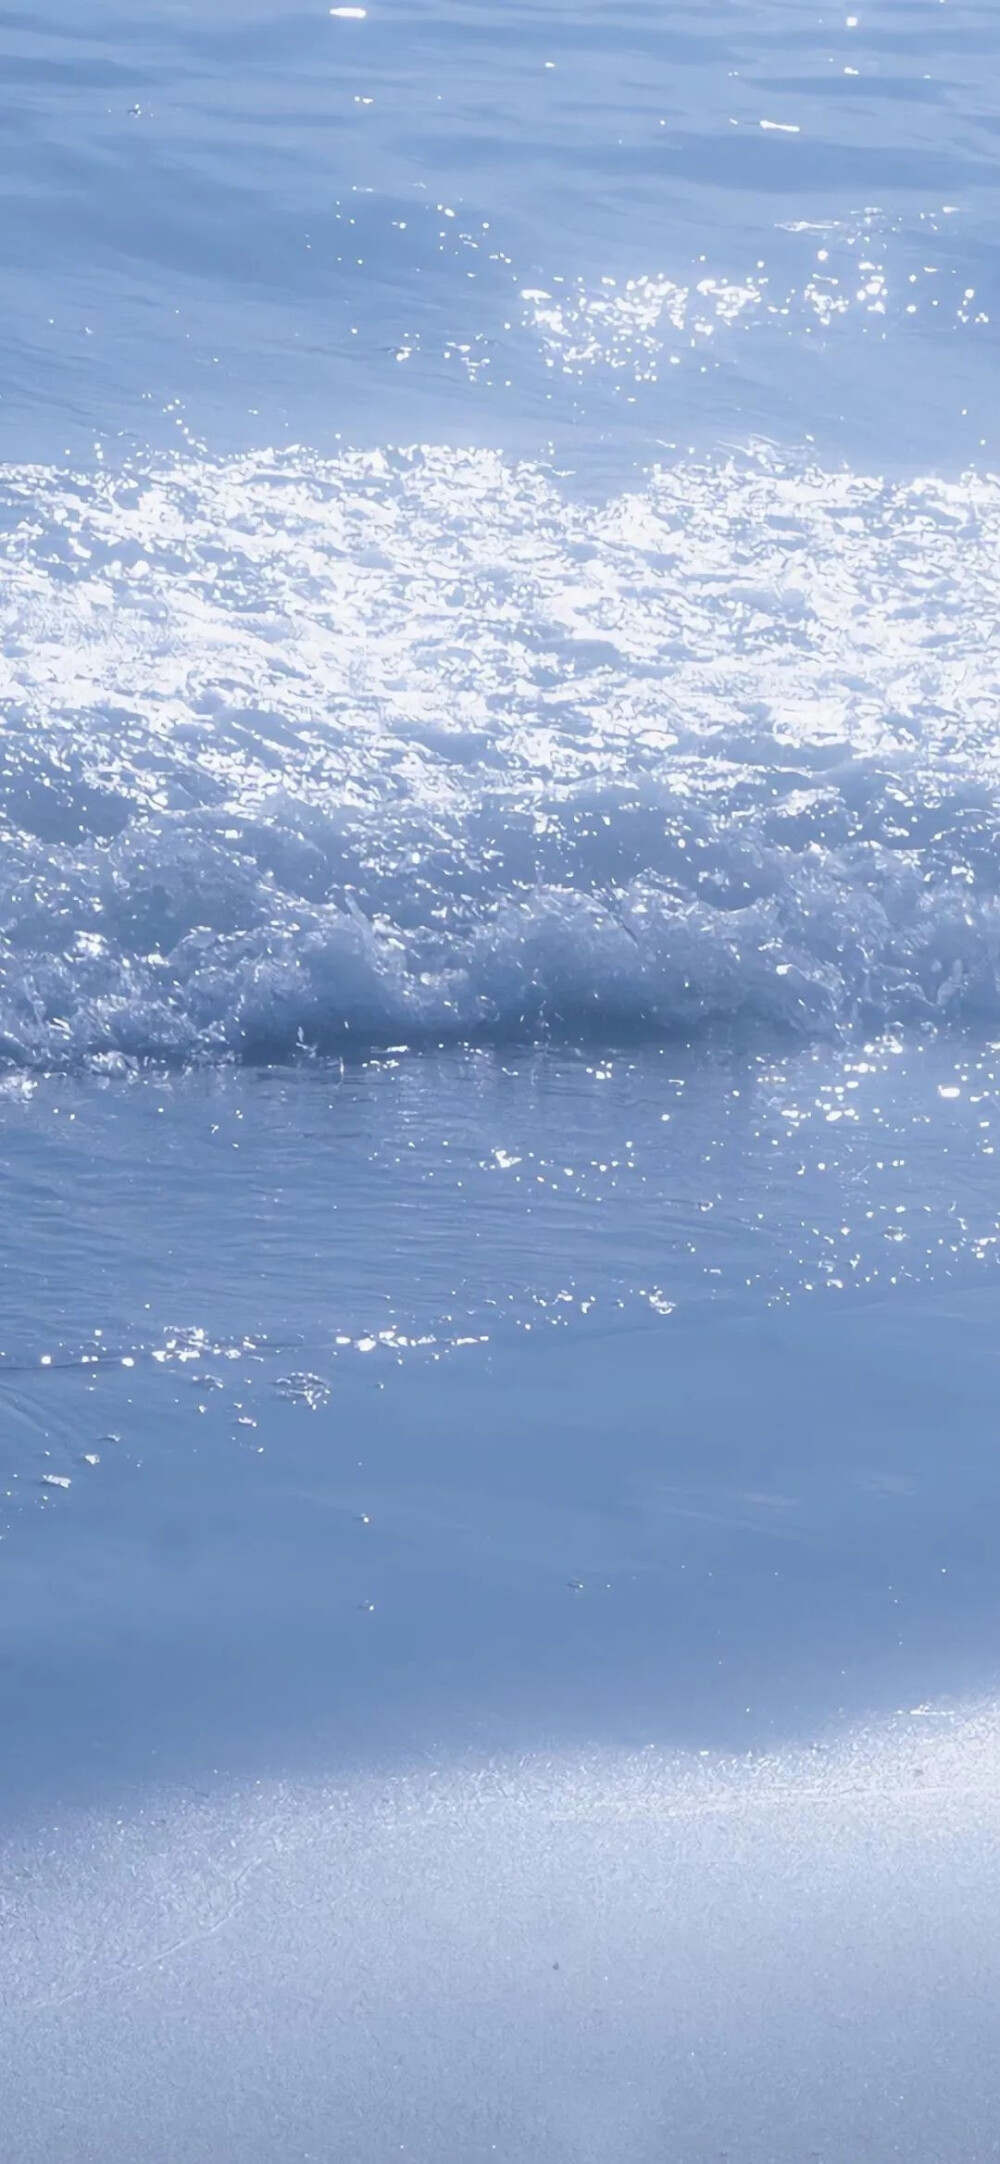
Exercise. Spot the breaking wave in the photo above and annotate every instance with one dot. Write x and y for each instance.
(415, 747)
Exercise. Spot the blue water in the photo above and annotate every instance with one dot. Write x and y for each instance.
(499, 1091)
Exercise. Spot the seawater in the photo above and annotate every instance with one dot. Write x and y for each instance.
(499, 1001)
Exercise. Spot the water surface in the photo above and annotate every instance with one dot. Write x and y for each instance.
(499, 1001)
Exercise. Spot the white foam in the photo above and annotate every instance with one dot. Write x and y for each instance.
(408, 747)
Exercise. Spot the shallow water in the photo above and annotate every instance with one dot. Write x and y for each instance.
(499, 990)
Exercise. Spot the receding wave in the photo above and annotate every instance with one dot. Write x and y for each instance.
(414, 747)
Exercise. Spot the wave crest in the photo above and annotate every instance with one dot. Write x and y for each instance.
(343, 753)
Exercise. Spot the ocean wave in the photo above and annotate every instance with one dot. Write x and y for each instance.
(406, 748)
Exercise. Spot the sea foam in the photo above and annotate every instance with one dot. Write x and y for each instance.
(299, 752)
